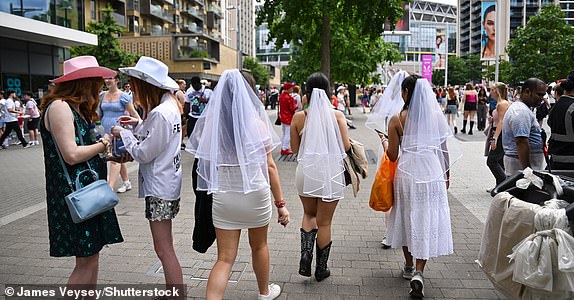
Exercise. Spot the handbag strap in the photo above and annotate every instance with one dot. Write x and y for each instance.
(64, 168)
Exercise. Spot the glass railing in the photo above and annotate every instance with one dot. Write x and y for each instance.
(65, 13)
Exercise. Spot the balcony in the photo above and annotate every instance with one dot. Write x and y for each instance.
(200, 2)
(120, 19)
(216, 11)
(156, 11)
(194, 12)
(195, 47)
(191, 28)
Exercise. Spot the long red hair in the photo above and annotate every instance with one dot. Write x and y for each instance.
(148, 96)
(82, 91)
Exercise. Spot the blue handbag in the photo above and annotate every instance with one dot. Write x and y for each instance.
(89, 201)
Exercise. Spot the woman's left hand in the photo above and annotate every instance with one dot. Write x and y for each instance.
(283, 218)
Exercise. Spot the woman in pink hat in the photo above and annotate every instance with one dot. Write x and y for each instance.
(68, 146)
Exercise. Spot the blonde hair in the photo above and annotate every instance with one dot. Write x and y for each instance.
(501, 90)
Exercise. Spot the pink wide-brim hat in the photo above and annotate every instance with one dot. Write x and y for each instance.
(83, 67)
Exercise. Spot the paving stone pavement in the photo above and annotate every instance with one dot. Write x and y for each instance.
(360, 268)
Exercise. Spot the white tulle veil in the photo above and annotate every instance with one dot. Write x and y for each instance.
(322, 152)
(428, 148)
(234, 132)
(390, 104)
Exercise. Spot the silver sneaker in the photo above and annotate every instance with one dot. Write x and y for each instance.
(408, 272)
(417, 286)
(274, 292)
(385, 243)
(126, 186)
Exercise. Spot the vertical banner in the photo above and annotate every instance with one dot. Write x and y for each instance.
(440, 48)
(427, 67)
(488, 32)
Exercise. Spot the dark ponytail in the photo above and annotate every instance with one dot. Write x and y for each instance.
(409, 84)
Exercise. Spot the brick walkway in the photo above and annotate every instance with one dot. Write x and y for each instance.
(360, 268)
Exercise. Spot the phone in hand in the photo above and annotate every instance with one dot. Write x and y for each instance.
(118, 147)
(382, 133)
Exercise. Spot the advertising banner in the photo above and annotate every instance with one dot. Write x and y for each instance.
(488, 32)
(440, 49)
(427, 67)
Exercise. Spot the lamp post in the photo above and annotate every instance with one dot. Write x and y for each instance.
(238, 32)
(497, 41)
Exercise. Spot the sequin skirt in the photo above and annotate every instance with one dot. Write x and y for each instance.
(157, 209)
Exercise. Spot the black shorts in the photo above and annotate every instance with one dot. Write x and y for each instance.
(469, 106)
(33, 123)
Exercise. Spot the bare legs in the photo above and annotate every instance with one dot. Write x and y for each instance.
(163, 246)
(115, 170)
(227, 244)
(420, 264)
(85, 272)
(318, 214)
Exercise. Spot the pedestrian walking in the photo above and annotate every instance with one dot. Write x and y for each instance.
(389, 104)
(320, 139)
(452, 108)
(560, 120)
(196, 98)
(521, 132)
(34, 120)
(287, 108)
(233, 141)
(157, 148)
(68, 112)
(420, 218)
(495, 160)
(469, 98)
(482, 109)
(113, 104)
(11, 120)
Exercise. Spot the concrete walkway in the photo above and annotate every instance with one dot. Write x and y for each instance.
(360, 268)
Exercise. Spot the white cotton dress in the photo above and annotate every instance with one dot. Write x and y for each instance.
(420, 217)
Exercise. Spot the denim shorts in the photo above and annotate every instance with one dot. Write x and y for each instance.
(451, 109)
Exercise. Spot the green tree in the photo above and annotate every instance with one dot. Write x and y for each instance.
(542, 48)
(504, 70)
(461, 70)
(259, 72)
(325, 29)
(108, 51)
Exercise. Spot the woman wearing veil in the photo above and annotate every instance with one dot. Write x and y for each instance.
(320, 138)
(232, 141)
(420, 218)
(390, 104)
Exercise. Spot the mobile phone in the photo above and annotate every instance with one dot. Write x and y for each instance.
(118, 147)
(382, 133)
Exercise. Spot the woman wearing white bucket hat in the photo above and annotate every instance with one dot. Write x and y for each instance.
(155, 143)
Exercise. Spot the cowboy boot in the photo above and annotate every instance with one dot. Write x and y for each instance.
(321, 269)
(307, 243)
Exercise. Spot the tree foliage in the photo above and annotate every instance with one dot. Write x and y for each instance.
(543, 48)
(259, 72)
(108, 51)
(461, 70)
(342, 38)
(504, 74)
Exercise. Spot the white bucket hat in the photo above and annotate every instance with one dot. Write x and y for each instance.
(153, 72)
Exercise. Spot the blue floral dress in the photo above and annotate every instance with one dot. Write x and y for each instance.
(66, 237)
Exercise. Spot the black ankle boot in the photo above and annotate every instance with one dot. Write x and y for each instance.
(321, 269)
(307, 243)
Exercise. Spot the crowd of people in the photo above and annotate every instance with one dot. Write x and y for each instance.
(14, 113)
(224, 124)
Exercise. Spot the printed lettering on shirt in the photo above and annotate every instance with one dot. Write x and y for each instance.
(176, 128)
(177, 161)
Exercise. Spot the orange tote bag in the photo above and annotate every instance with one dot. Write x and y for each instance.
(382, 191)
